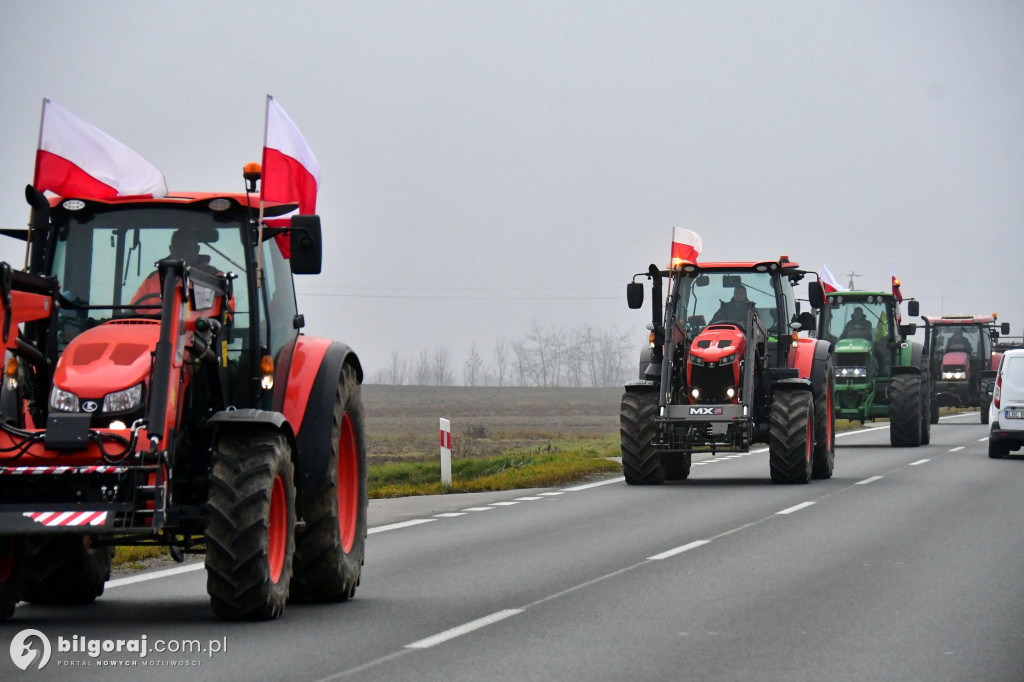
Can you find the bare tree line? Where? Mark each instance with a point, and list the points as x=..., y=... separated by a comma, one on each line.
x=546, y=356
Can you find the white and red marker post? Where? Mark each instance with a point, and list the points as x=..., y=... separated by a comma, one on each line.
x=446, y=453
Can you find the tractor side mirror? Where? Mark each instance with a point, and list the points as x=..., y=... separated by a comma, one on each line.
x=816, y=295
x=907, y=330
x=635, y=295
x=806, y=321
x=307, y=245
x=1004, y=328
x=913, y=309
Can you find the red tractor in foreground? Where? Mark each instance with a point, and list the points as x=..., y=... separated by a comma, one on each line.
x=726, y=368
x=962, y=361
x=157, y=391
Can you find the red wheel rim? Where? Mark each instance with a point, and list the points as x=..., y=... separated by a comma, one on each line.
x=7, y=561
x=829, y=420
x=277, y=530
x=810, y=441
x=348, y=484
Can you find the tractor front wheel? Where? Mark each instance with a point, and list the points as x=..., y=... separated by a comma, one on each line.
x=905, y=404
x=329, y=553
x=64, y=570
x=11, y=568
x=791, y=436
x=825, y=424
x=250, y=539
x=641, y=463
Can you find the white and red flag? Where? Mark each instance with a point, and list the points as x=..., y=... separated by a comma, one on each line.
x=686, y=246
x=78, y=159
x=291, y=173
x=828, y=280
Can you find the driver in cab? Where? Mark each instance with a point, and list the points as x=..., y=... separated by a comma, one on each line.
x=735, y=309
x=184, y=246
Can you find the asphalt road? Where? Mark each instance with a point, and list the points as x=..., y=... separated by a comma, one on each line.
x=906, y=565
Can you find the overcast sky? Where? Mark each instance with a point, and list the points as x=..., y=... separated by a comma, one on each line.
x=485, y=165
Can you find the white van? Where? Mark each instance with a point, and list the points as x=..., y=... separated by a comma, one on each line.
x=1006, y=413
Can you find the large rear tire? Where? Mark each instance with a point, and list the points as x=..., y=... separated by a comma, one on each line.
x=926, y=409
x=64, y=570
x=905, y=404
x=329, y=553
x=791, y=436
x=825, y=424
x=12, y=566
x=676, y=466
x=641, y=463
x=250, y=539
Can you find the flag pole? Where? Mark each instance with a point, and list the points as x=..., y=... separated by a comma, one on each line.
x=263, y=164
x=35, y=179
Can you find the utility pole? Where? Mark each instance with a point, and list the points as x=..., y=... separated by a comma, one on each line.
x=852, y=274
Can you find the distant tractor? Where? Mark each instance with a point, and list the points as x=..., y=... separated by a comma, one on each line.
x=962, y=360
x=879, y=373
x=169, y=399
x=725, y=368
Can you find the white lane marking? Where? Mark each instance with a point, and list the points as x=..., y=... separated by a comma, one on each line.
x=869, y=480
x=920, y=461
x=844, y=434
x=802, y=505
x=552, y=494
x=507, y=503
x=395, y=526
x=958, y=449
x=448, y=515
x=166, y=573
x=463, y=629
x=588, y=486
x=678, y=550
x=529, y=499
x=478, y=509
x=698, y=464
x=982, y=440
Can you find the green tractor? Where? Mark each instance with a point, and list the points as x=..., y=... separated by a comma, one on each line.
x=879, y=373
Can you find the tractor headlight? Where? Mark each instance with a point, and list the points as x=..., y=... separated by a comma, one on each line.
x=848, y=372
x=694, y=360
x=63, y=401
x=121, y=401
x=728, y=359
x=954, y=374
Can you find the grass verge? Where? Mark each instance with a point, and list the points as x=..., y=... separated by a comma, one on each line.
x=551, y=464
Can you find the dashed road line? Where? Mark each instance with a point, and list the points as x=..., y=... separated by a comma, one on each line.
x=957, y=449
x=463, y=629
x=795, y=508
x=678, y=550
x=920, y=461
x=869, y=480
x=400, y=524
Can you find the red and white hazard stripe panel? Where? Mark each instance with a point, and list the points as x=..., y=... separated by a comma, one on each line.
x=15, y=471
x=52, y=519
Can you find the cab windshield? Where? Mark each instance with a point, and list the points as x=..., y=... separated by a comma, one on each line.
x=859, y=319
x=711, y=297
x=951, y=338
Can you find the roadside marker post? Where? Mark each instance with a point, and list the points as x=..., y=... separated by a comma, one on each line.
x=446, y=453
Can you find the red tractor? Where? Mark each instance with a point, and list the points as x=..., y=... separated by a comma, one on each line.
x=962, y=361
x=726, y=368
x=157, y=390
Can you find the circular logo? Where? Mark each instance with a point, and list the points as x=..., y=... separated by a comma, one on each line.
x=24, y=654
x=89, y=406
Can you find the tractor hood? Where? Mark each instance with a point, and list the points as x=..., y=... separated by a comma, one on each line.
x=852, y=346
x=957, y=358
x=111, y=357
x=719, y=341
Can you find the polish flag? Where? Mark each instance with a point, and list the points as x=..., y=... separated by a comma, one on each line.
x=828, y=280
x=291, y=172
x=77, y=159
x=686, y=246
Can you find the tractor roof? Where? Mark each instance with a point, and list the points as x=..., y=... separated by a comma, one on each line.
x=251, y=200
x=858, y=294
x=783, y=262
x=961, y=319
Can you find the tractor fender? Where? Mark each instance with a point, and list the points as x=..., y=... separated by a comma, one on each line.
x=791, y=385
x=912, y=355
x=819, y=363
x=250, y=416
x=309, y=404
x=639, y=386
x=802, y=357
